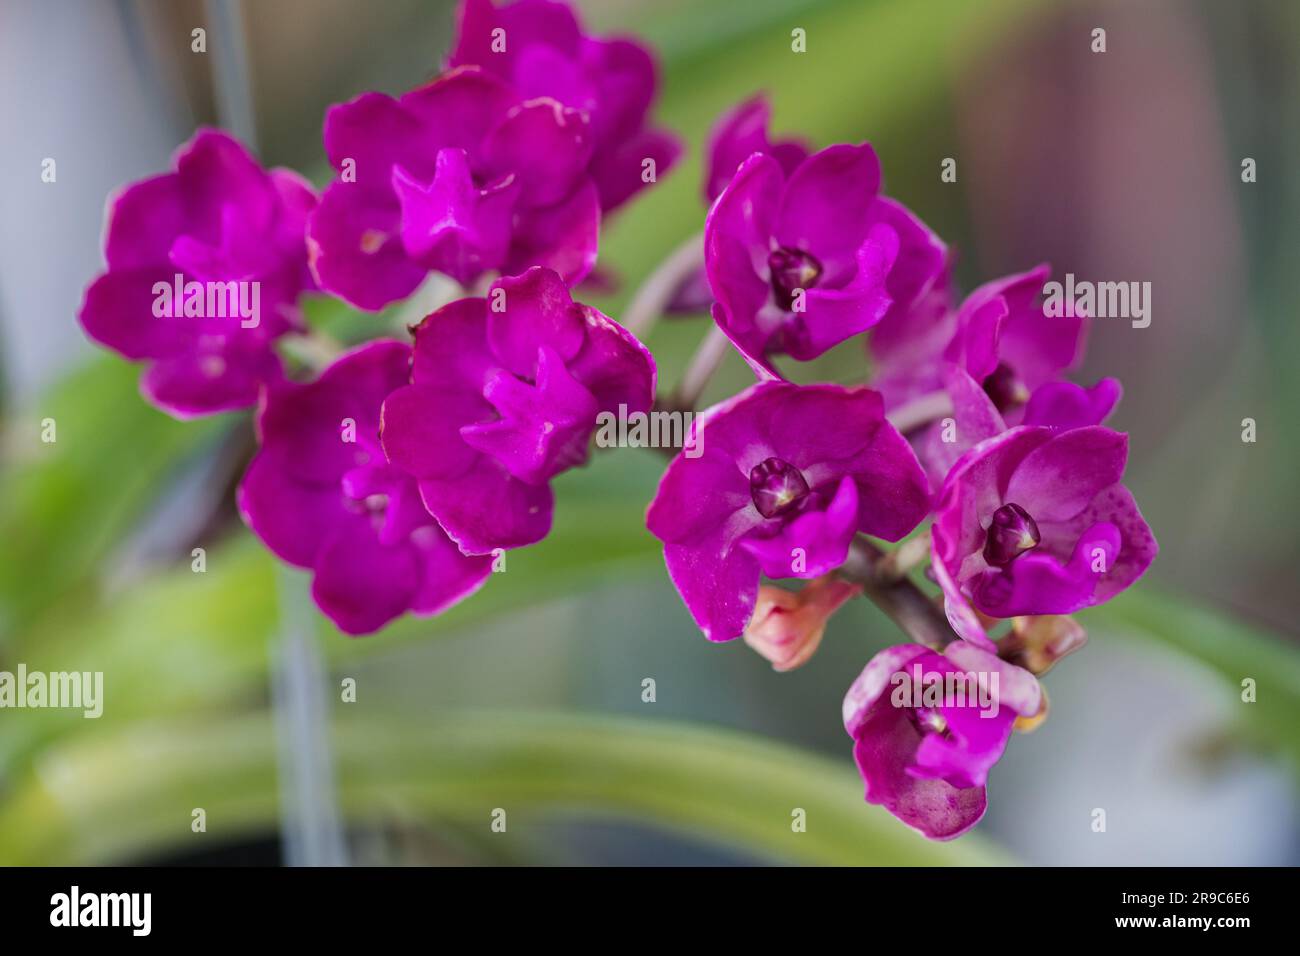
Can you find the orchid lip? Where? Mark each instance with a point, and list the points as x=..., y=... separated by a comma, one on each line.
x=1005, y=389
x=1010, y=534
x=792, y=270
x=931, y=721
x=777, y=487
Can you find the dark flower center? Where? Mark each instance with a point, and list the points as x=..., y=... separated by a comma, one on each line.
x=777, y=487
x=1011, y=533
x=792, y=269
x=1004, y=388
x=928, y=720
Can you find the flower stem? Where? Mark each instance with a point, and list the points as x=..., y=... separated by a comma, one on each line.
x=314, y=349
x=907, y=605
x=920, y=411
x=657, y=291
x=894, y=565
x=707, y=358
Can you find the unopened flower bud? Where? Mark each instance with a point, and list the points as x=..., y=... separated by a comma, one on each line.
x=1038, y=642
x=1027, y=725
x=787, y=626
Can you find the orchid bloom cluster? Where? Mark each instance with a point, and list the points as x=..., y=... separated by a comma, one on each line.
x=398, y=471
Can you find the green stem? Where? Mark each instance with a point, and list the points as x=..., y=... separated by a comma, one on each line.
x=657, y=291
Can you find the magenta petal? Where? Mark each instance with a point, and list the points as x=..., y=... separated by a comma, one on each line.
x=699, y=494
x=546, y=145
x=544, y=428
x=1058, y=480
x=1036, y=345
x=701, y=510
x=118, y=313
x=427, y=443
x=458, y=110
x=1004, y=321
x=1112, y=507
x=624, y=85
x=921, y=258
x=320, y=494
x=956, y=607
x=451, y=347
x=215, y=171
x=544, y=71
x=374, y=132
x=974, y=419
x=827, y=203
x=321, y=431
x=563, y=237
x=143, y=219
x=451, y=225
x=1018, y=689
x=292, y=517
x=974, y=489
x=883, y=752
x=964, y=756
x=927, y=764
x=736, y=245
x=447, y=575
x=526, y=24
x=619, y=168
x=356, y=249
x=614, y=366
x=874, y=682
x=486, y=508
x=829, y=436
x=737, y=135
x=718, y=583
x=1066, y=405
x=361, y=584
x=208, y=380
x=528, y=312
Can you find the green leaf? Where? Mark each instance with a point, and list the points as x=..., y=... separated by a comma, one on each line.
x=1227, y=645
x=85, y=806
x=182, y=643
x=65, y=505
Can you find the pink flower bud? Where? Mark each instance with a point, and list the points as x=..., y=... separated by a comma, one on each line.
x=787, y=626
x=1039, y=641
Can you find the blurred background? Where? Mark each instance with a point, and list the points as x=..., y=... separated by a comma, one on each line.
x=223, y=693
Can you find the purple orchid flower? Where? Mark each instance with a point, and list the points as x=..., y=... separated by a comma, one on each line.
x=738, y=134
x=539, y=48
x=801, y=263
x=504, y=395
x=927, y=727
x=321, y=496
x=205, y=266
x=463, y=177
x=1001, y=336
x=976, y=418
x=788, y=475
x=1036, y=521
